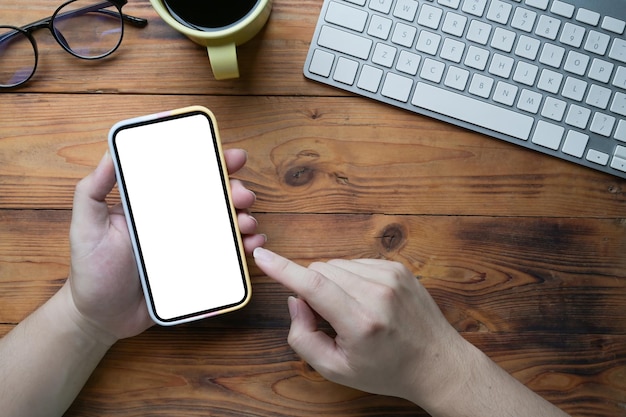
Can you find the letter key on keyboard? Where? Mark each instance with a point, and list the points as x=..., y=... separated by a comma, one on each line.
x=548, y=75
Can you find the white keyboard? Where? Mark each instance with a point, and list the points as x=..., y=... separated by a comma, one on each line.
x=548, y=75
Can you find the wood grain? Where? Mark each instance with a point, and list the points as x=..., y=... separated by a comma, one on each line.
x=309, y=155
x=524, y=254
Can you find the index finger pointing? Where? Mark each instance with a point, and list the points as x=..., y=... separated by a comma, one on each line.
x=327, y=298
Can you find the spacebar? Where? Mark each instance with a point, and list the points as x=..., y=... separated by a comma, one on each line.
x=473, y=111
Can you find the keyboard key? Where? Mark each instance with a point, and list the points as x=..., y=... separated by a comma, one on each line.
x=481, y=86
x=613, y=25
x=620, y=132
x=383, y=6
x=588, y=16
x=598, y=97
x=597, y=42
x=602, y=124
x=478, y=32
x=499, y=11
x=505, y=93
x=344, y=42
x=550, y=81
x=597, y=157
x=346, y=16
x=620, y=151
x=574, y=89
x=430, y=17
x=428, y=42
x=369, y=79
x=539, y=4
x=548, y=27
x=454, y=4
x=554, y=109
x=432, y=70
x=477, y=58
x=384, y=55
x=397, y=87
x=408, y=62
x=476, y=112
x=474, y=7
x=529, y=101
x=578, y=116
x=501, y=66
x=620, y=78
x=562, y=9
x=575, y=144
x=452, y=50
x=527, y=47
x=548, y=135
x=618, y=163
x=503, y=40
x=405, y=9
x=572, y=35
x=576, y=63
x=345, y=71
x=619, y=104
x=321, y=63
x=601, y=70
x=524, y=19
x=404, y=35
x=379, y=27
x=618, y=50
x=457, y=78
x=454, y=24
x=552, y=55
x=525, y=73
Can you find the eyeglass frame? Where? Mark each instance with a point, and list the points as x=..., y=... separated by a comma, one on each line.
x=27, y=30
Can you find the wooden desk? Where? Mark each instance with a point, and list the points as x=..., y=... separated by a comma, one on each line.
x=526, y=255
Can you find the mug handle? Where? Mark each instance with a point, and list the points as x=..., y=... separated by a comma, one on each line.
x=224, y=61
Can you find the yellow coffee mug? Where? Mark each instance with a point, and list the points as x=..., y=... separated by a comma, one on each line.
x=221, y=43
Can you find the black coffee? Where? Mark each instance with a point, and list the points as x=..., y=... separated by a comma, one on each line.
x=209, y=14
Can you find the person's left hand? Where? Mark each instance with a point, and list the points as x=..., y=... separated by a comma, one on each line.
x=104, y=284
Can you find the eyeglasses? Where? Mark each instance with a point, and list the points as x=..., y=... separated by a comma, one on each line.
x=87, y=29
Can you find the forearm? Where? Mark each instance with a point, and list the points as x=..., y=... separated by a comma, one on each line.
x=46, y=360
x=484, y=389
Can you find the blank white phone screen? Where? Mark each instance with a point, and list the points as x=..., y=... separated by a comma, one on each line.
x=179, y=208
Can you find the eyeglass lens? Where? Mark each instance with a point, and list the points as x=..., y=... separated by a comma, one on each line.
x=17, y=57
x=88, y=29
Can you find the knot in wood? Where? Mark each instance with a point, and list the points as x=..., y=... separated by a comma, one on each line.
x=393, y=237
x=299, y=176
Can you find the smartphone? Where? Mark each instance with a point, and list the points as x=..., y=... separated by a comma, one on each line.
x=176, y=196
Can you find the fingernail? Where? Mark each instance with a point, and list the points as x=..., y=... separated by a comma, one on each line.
x=292, y=303
x=253, y=219
x=263, y=255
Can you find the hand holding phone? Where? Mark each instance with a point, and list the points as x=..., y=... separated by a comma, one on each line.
x=177, y=200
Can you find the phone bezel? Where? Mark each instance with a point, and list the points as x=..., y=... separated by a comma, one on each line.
x=127, y=205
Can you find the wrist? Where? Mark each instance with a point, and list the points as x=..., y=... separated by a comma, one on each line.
x=68, y=316
x=445, y=375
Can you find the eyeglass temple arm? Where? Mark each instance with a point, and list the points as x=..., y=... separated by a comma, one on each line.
x=135, y=21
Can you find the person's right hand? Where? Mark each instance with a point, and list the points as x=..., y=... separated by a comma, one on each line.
x=391, y=337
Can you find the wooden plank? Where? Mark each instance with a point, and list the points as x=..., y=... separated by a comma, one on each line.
x=487, y=274
x=203, y=374
x=159, y=60
x=322, y=155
